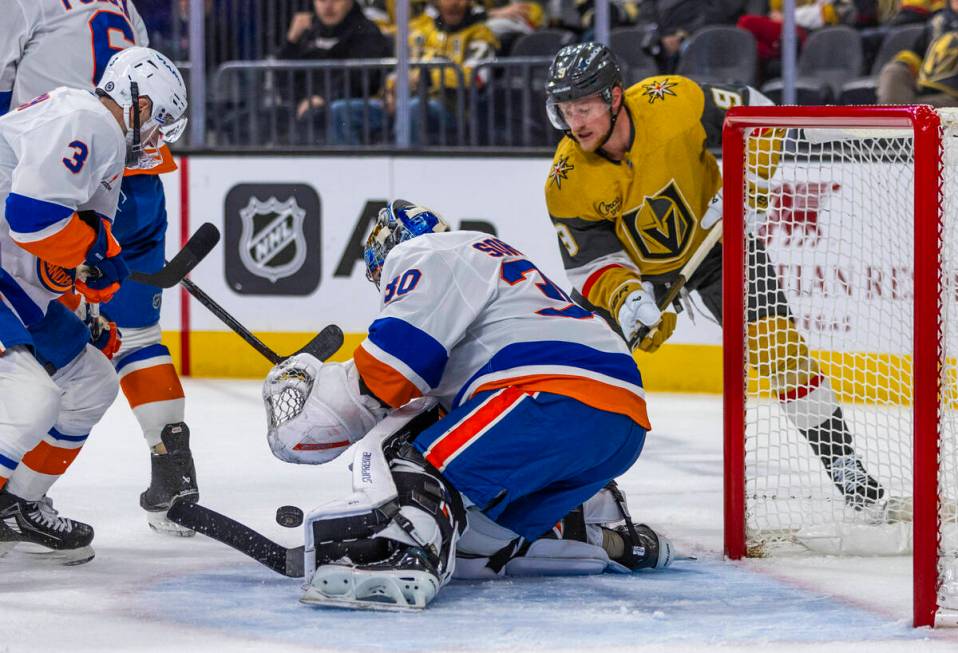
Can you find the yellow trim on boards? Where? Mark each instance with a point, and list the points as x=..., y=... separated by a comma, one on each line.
x=855, y=377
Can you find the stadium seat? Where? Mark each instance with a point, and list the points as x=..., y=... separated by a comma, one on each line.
x=544, y=43
x=720, y=54
x=627, y=43
x=864, y=89
x=830, y=57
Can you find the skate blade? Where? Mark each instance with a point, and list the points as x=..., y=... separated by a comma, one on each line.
x=345, y=587
x=318, y=599
x=65, y=557
x=159, y=522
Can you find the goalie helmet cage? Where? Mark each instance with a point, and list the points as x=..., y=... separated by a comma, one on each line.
x=856, y=210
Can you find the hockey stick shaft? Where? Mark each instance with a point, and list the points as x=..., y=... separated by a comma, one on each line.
x=322, y=346
x=195, y=250
x=219, y=527
x=231, y=321
x=713, y=237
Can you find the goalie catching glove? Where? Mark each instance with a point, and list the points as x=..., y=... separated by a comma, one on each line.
x=315, y=410
x=640, y=310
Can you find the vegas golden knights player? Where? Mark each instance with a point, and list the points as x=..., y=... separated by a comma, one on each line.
x=632, y=192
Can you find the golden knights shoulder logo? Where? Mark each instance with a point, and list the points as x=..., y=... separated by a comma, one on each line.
x=560, y=171
x=659, y=89
x=662, y=226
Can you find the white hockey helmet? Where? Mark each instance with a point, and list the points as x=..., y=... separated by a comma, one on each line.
x=142, y=72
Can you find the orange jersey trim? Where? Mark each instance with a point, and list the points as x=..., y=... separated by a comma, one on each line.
x=166, y=165
x=151, y=384
x=67, y=247
x=601, y=396
x=385, y=382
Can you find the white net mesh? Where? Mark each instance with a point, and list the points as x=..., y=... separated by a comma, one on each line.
x=830, y=307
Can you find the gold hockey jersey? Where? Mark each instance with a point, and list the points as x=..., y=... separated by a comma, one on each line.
x=617, y=221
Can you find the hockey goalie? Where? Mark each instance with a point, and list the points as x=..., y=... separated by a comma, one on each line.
x=490, y=415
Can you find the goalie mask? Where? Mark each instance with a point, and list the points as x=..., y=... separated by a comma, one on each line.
x=139, y=72
x=398, y=222
x=314, y=410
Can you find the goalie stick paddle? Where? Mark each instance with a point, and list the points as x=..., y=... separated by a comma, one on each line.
x=323, y=345
x=219, y=527
x=196, y=248
x=715, y=233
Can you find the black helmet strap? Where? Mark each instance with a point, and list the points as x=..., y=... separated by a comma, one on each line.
x=133, y=155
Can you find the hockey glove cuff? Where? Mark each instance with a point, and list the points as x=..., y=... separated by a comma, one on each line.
x=104, y=267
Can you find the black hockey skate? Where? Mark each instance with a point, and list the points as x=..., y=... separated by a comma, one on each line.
x=172, y=479
x=856, y=485
x=38, y=525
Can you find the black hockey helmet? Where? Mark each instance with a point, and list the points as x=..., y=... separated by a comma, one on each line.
x=581, y=70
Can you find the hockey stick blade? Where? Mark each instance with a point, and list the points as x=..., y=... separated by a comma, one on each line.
x=219, y=527
x=324, y=344
x=196, y=248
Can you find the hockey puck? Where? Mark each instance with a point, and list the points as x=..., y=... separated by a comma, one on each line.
x=289, y=516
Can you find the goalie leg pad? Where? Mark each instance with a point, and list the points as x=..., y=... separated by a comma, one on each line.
x=392, y=554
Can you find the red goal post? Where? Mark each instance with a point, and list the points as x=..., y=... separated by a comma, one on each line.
x=746, y=488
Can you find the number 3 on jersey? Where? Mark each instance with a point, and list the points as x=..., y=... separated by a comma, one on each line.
x=102, y=26
x=517, y=270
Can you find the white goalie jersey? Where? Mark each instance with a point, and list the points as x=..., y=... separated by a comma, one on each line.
x=35, y=34
x=463, y=313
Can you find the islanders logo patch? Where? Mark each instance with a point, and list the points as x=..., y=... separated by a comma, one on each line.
x=659, y=89
x=55, y=278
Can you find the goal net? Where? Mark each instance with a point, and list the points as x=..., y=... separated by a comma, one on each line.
x=840, y=338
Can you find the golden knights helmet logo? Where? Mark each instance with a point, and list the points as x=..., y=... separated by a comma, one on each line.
x=272, y=244
x=663, y=226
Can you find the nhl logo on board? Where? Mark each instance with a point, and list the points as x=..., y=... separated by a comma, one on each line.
x=272, y=244
x=272, y=239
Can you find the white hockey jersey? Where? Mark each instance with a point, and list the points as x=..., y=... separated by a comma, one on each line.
x=36, y=37
x=463, y=312
x=62, y=153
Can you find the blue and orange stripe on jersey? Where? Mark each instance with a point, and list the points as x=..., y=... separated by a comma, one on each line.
x=399, y=362
x=50, y=231
x=607, y=381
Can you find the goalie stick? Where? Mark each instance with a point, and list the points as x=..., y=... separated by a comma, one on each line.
x=323, y=345
x=219, y=527
x=715, y=233
x=196, y=248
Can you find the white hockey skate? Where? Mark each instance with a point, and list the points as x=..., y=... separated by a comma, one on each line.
x=403, y=582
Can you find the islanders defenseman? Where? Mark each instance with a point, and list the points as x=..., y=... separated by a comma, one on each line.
x=542, y=407
x=49, y=43
x=61, y=159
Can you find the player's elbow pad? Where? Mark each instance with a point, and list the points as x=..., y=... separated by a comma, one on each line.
x=315, y=410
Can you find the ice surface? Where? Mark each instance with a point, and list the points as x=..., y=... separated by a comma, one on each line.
x=145, y=592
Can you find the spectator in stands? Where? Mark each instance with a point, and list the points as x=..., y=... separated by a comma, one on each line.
x=510, y=19
x=906, y=12
x=908, y=78
x=455, y=31
x=676, y=20
x=336, y=30
x=809, y=15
